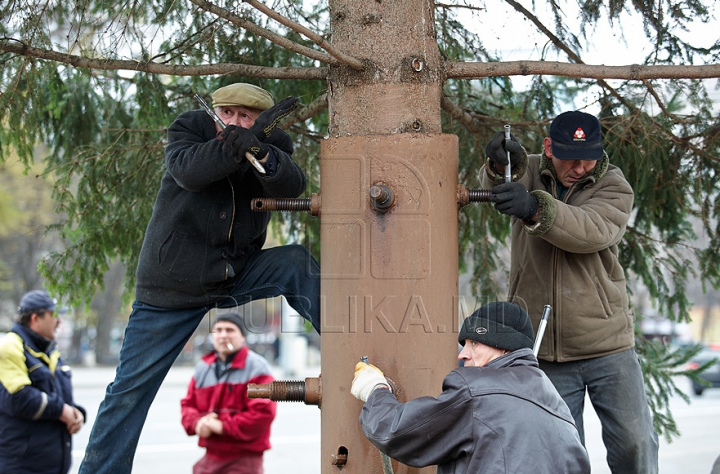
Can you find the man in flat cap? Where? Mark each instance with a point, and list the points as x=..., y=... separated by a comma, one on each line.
x=570, y=208
x=234, y=429
x=498, y=414
x=37, y=413
x=203, y=249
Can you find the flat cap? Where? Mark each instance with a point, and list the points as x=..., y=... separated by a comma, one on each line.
x=241, y=93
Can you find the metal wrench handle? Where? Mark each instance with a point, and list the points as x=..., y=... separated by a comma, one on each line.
x=258, y=166
x=541, y=329
x=508, y=171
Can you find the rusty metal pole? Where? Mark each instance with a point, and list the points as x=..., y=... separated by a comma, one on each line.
x=389, y=279
x=389, y=222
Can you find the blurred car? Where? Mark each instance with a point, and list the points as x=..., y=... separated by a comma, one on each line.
x=711, y=374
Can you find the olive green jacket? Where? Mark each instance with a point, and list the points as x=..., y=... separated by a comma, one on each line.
x=569, y=259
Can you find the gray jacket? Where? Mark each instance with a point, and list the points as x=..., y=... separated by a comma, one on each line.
x=504, y=418
x=569, y=260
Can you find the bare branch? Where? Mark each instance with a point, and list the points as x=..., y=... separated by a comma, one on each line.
x=456, y=112
x=155, y=68
x=474, y=70
x=314, y=37
x=269, y=35
x=448, y=6
x=658, y=100
x=304, y=113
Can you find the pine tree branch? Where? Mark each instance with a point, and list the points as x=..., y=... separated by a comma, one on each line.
x=304, y=113
x=315, y=38
x=573, y=56
x=267, y=34
x=19, y=48
x=476, y=70
x=456, y=112
x=634, y=72
x=658, y=100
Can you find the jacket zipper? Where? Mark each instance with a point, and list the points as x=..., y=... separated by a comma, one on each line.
x=232, y=221
x=556, y=259
x=554, y=287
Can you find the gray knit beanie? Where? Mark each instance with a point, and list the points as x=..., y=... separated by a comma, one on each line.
x=234, y=318
x=500, y=324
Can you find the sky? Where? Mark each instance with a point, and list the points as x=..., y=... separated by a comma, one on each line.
x=621, y=44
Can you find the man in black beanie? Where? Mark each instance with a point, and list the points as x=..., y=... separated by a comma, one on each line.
x=498, y=414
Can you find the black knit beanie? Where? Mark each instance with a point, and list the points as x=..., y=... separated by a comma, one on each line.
x=500, y=324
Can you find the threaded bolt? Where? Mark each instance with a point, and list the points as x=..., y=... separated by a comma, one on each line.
x=480, y=195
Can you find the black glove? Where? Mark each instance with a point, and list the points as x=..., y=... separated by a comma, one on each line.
x=497, y=148
x=514, y=199
x=238, y=140
x=268, y=119
x=280, y=139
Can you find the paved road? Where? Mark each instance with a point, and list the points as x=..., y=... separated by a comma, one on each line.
x=164, y=447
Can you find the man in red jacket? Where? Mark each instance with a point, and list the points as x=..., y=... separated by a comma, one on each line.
x=235, y=430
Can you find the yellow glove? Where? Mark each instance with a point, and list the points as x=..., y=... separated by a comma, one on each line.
x=367, y=379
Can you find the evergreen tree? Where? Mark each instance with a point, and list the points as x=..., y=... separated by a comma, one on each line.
x=98, y=82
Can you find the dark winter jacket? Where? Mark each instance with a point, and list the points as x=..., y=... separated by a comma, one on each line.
x=202, y=229
x=503, y=418
x=246, y=422
x=569, y=260
x=34, y=386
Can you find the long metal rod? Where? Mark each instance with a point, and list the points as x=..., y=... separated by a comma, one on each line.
x=258, y=166
x=508, y=170
x=541, y=329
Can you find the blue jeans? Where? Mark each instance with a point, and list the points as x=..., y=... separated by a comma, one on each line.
x=615, y=386
x=155, y=336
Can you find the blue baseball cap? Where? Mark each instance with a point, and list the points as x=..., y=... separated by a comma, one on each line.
x=576, y=136
x=36, y=300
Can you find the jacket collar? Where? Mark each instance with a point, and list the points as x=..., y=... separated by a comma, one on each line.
x=33, y=340
x=238, y=361
x=547, y=168
x=514, y=358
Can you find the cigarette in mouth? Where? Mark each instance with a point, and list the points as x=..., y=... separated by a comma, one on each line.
x=230, y=346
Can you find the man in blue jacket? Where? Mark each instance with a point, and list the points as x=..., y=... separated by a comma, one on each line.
x=37, y=412
x=203, y=250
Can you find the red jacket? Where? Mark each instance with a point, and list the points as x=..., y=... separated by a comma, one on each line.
x=246, y=422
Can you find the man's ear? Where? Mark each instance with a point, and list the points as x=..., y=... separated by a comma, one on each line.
x=547, y=146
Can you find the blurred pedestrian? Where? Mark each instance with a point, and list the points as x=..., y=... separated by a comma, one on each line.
x=37, y=413
x=234, y=429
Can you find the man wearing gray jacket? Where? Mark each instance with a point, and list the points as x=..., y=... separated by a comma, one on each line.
x=570, y=209
x=498, y=414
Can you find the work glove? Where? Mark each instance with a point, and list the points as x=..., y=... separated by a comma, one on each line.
x=514, y=199
x=268, y=119
x=280, y=139
x=497, y=148
x=367, y=379
x=238, y=140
